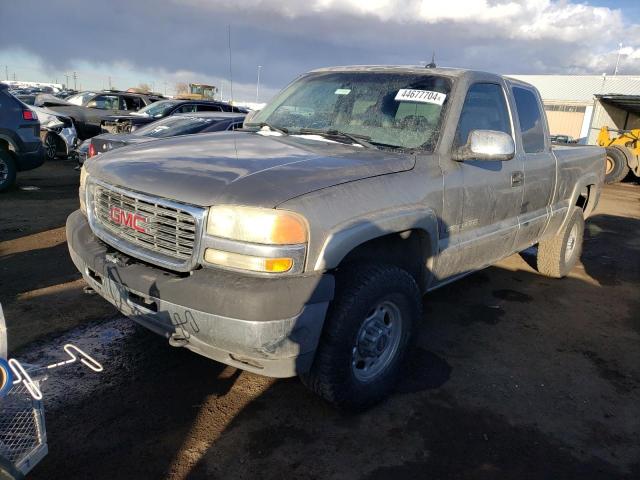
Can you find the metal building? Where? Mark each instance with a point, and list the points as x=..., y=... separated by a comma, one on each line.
x=579, y=105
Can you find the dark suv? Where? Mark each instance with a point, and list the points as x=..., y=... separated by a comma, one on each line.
x=20, y=145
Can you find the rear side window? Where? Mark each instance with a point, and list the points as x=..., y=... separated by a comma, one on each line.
x=530, y=117
x=484, y=108
x=131, y=103
x=209, y=108
x=188, y=108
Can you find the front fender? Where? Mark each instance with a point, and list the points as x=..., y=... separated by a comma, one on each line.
x=345, y=237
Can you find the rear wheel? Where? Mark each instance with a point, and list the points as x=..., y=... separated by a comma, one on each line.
x=616, y=165
x=559, y=254
x=365, y=337
x=7, y=170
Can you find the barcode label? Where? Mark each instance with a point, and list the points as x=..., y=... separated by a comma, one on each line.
x=420, y=96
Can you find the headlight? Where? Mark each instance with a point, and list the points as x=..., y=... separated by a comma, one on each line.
x=257, y=225
x=256, y=239
x=82, y=191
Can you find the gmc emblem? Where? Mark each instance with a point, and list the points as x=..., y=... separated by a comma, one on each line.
x=128, y=219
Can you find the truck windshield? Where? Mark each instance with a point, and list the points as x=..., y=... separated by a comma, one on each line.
x=399, y=110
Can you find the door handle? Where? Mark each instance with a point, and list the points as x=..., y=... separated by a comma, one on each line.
x=517, y=179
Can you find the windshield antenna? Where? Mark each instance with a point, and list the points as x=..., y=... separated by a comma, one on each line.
x=433, y=61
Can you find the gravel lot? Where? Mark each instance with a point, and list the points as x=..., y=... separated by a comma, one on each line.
x=516, y=376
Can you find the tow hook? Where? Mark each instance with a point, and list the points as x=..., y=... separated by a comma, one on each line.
x=178, y=338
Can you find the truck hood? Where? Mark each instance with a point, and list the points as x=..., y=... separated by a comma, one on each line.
x=240, y=168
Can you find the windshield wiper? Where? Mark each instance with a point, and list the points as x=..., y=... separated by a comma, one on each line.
x=362, y=140
x=282, y=130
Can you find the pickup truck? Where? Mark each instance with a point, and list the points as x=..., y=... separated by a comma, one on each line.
x=303, y=243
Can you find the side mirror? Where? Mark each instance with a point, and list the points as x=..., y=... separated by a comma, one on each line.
x=486, y=145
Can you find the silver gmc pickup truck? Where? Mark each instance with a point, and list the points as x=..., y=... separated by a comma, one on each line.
x=302, y=244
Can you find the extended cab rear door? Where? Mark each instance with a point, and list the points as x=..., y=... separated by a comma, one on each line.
x=539, y=164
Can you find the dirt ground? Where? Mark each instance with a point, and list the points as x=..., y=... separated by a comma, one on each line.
x=516, y=376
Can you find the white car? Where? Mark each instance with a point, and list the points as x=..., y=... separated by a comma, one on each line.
x=58, y=132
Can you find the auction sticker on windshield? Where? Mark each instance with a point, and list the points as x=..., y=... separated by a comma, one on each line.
x=420, y=96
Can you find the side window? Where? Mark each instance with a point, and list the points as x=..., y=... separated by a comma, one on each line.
x=131, y=103
x=530, y=117
x=188, y=108
x=484, y=108
x=208, y=108
x=104, y=102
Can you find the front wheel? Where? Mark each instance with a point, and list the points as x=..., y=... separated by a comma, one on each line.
x=558, y=255
x=366, y=335
x=50, y=145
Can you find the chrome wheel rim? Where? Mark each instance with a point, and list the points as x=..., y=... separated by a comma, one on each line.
x=4, y=171
x=50, y=146
x=377, y=341
x=572, y=242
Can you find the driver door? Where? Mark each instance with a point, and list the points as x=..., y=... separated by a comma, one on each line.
x=482, y=199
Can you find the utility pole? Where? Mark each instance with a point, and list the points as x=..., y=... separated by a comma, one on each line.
x=615, y=71
x=110, y=88
x=258, y=83
x=230, y=70
x=14, y=76
x=66, y=81
x=75, y=81
x=6, y=71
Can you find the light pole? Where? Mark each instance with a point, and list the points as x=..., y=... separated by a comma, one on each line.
x=615, y=71
x=258, y=83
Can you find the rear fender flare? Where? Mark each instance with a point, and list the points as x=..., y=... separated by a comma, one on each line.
x=584, y=182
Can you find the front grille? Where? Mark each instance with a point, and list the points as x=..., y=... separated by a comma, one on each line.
x=145, y=223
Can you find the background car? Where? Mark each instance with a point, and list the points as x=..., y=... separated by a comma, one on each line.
x=88, y=109
x=58, y=133
x=20, y=145
x=180, y=124
x=161, y=109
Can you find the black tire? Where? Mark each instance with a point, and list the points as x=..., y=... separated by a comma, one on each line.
x=617, y=166
x=359, y=290
x=50, y=144
x=553, y=258
x=7, y=170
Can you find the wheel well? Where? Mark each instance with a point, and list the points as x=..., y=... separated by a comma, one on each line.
x=407, y=250
x=5, y=145
x=584, y=198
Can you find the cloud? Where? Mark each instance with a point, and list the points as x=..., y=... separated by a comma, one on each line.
x=159, y=39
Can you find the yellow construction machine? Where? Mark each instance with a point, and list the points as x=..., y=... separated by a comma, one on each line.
x=199, y=91
x=623, y=153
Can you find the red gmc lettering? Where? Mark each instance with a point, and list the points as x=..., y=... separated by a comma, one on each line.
x=128, y=219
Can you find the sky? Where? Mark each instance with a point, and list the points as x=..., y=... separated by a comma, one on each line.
x=161, y=43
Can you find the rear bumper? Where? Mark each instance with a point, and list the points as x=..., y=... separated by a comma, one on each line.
x=267, y=326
